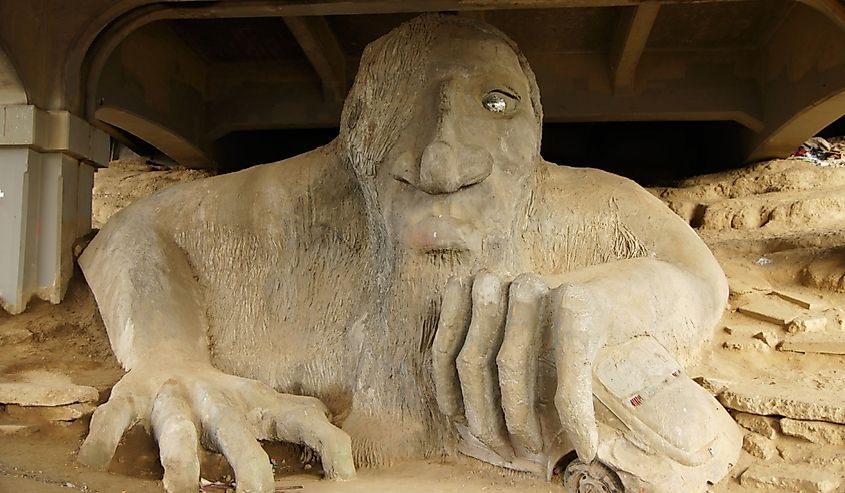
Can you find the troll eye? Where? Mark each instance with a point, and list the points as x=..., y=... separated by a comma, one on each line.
x=499, y=102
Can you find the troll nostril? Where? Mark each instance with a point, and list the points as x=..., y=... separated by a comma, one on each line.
x=403, y=180
x=406, y=169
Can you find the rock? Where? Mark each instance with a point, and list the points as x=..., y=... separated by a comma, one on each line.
x=8, y=430
x=795, y=400
x=14, y=336
x=813, y=322
x=827, y=342
x=801, y=300
x=37, y=394
x=769, y=310
x=759, y=446
x=763, y=425
x=792, y=478
x=746, y=330
x=814, y=431
x=769, y=337
x=744, y=344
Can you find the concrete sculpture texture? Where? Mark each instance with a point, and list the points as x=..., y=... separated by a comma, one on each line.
x=397, y=292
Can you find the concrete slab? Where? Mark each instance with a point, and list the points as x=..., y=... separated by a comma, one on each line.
x=769, y=310
x=30, y=414
x=744, y=330
x=762, y=425
x=802, y=300
x=35, y=394
x=793, y=400
x=828, y=342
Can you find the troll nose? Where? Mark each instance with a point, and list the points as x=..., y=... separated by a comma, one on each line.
x=443, y=170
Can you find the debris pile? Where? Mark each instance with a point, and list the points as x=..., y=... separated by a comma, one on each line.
x=822, y=152
x=794, y=423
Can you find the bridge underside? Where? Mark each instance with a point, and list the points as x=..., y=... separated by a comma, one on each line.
x=770, y=70
x=231, y=83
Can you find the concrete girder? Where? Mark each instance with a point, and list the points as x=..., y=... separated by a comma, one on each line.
x=322, y=49
x=671, y=86
x=259, y=8
x=99, y=41
x=792, y=133
x=804, y=80
x=167, y=141
x=239, y=100
x=832, y=9
x=472, y=14
x=630, y=42
x=628, y=62
x=11, y=89
x=576, y=87
x=114, y=20
x=167, y=112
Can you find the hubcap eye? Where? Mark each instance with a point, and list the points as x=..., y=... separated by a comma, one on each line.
x=494, y=102
x=498, y=102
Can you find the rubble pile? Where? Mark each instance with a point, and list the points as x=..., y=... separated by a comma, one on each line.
x=778, y=357
x=127, y=180
x=794, y=423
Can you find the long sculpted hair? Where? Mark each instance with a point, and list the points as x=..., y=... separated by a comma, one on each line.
x=394, y=393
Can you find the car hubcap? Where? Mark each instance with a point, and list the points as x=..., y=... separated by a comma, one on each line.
x=591, y=485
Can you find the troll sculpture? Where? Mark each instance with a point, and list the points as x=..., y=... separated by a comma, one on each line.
x=424, y=283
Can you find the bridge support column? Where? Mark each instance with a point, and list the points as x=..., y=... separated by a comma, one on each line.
x=47, y=161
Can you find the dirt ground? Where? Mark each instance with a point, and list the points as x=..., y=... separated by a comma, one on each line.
x=775, y=227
